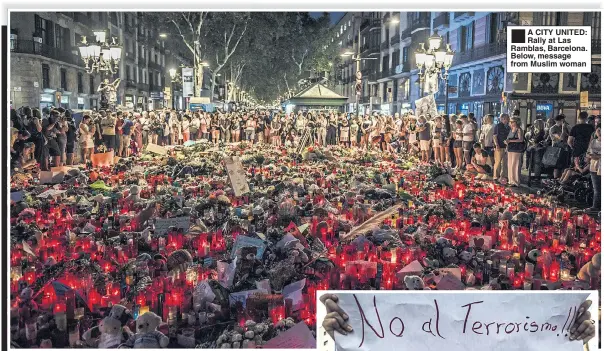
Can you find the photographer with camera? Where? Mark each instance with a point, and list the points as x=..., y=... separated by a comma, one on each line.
x=50, y=126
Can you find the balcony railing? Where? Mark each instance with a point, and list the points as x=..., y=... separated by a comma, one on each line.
x=460, y=16
x=596, y=46
x=142, y=61
x=441, y=21
x=143, y=86
x=421, y=22
x=479, y=53
x=395, y=39
x=368, y=49
x=384, y=45
x=370, y=23
x=155, y=66
x=31, y=47
x=131, y=84
x=372, y=77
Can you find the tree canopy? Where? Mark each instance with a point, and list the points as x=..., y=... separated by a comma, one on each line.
x=265, y=53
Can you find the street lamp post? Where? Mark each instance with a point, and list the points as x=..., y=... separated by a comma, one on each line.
x=434, y=61
x=102, y=57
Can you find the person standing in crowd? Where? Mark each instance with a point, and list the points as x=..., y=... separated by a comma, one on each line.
x=33, y=124
x=144, y=122
x=127, y=127
x=49, y=127
x=423, y=129
x=515, y=149
x=445, y=140
x=70, y=134
x=235, y=128
x=186, y=132
x=332, y=127
x=579, y=137
x=365, y=129
x=437, y=134
x=458, y=144
x=260, y=129
x=354, y=131
x=250, y=129
x=276, y=131
x=345, y=133
x=321, y=129
x=468, y=138
x=108, y=124
x=86, y=133
x=137, y=133
x=535, y=149
x=558, y=134
x=118, y=133
x=61, y=136
x=194, y=127
x=412, y=135
x=204, y=125
x=486, y=139
x=594, y=152
x=225, y=128
x=500, y=134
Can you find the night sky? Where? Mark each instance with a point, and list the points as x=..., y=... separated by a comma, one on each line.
x=335, y=16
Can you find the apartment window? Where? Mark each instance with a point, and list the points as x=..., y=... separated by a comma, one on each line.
x=550, y=18
x=467, y=37
x=64, y=79
x=80, y=83
x=113, y=18
x=128, y=77
x=59, y=43
x=405, y=54
x=594, y=20
x=91, y=83
x=394, y=90
x=494, y=27
x=385, y=61
x=396, y=57
x=45, y=76
x=385, y=92
x=44, y=28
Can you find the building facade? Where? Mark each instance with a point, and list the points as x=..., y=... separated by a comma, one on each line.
x=478, y=80
x=46, y=69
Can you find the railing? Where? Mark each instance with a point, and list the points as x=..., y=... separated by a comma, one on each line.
x=421, y=22
x=142, y=61
x=442, y=20
x=384, y=44
x=31, y=47
x=462, y=15
x=369, y=23
x=155, y=66
x=368, y=49
x=372, y=77
x=479, y=53
x=143, y=86
x=130, y=84
x=596, y=46
x=395, y=39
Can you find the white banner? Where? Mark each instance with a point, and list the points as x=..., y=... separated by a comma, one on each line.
x=460, y=321
x=426, y=106
x=187, y=81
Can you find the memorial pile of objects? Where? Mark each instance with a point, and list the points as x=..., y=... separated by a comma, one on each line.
x=228, y=245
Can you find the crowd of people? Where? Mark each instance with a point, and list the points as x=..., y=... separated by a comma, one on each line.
x=494, y=150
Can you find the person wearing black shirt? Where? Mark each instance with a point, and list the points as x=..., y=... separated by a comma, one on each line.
x=535, y=149
x=71, y=138
x=49, y=129
x=579, y=137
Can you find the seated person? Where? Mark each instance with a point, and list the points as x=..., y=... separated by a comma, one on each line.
x=480, y=163
x=579, y=168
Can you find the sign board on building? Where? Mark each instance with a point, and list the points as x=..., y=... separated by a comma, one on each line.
x=584, y=99
x=64, y=99
x=187, y=81
x=157, y=95
x=46, y=98
x=80, y=101
x=545, y=107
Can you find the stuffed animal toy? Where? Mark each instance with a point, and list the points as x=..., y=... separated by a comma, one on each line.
x=590, y=269
x=108, y=334
x=147, y=336
x=413, y=282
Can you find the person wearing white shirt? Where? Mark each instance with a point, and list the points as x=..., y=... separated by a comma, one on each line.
x=185, y=129
x=468, y=139
x=486, y=136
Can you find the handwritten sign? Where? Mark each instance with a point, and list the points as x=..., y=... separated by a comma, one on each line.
x=245, y=241
x=162, y=225
x=156, y=149
x=51, y=193
x=511, y=321
x=293, y=291
x=298, y=337
x=236, y=175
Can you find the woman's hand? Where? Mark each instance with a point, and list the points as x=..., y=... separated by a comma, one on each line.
x=584, y=328
x=336, y=319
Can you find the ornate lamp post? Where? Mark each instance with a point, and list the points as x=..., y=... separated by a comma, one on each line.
x=434, y=62
x=102, y=56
